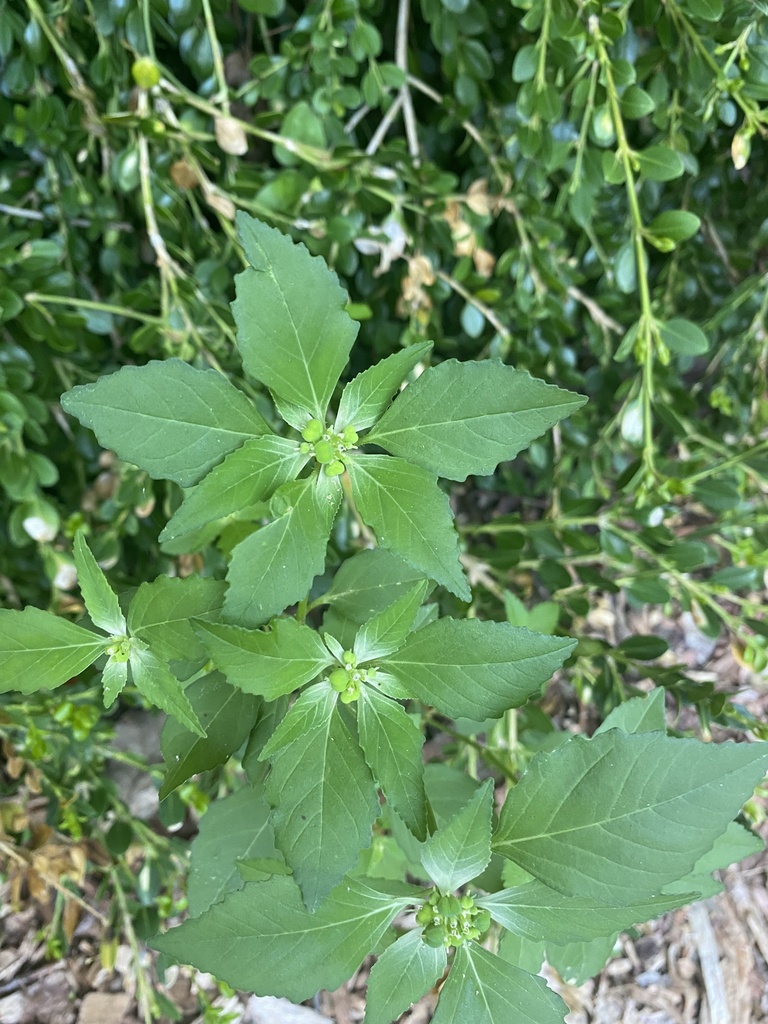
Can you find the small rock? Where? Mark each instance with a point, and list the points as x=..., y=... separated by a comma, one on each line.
x=271, y=1010
x=103, y=1008
x=12, y=1009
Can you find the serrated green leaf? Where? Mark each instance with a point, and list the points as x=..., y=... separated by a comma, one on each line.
x=459, y=851
x=591, y=819
x=245, y=478
x=100, y=599
x=660, y=163
x=401, y=975
x=293, y=332
x=153, y=679
x=113, y=680
x=39, y=651
x=226, y=714
x=410, y=515
x=270, y=716
x=534, y=910
x=484, y=989
x=234, y=828
x=387, y=630
x=468, y=668
x=267, y=662
x=170, y=419
x=322, y=791
x=522, y=953
x=369, y=582
x=639, y=714
x=161, y=614
x=262, y=939
x=275, y=567
x=462, y=418
x=392, y=743
x=364, y=585
x=366, y=397
x=577, y=962
x=733, y=845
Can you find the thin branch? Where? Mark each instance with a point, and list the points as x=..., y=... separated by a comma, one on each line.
x=598, y=314
x=480, y=306
x=401, y=59
x=356, y=118
x=384, y=126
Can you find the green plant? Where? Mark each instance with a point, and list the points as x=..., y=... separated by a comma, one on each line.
x=562, y=863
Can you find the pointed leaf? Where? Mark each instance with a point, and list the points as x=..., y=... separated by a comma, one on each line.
x=275, y=567
x=364, y=585
x=152, y=679
x=366, y=397
x=402, y=974
x=579, y=961
x=468, y=668
x=392, y=743
x=639, y=714
x=262, y=939
x=113, y=680
x=386, y=631
x=534, y=911
x=267, y=662
x=100, y=599
x=170, y=419
x=462, y=418
x=293, y=332
x=246, y=477
x=620, y=816
x=460, y=850
x=39, y=651
x=410, y=515
x=161, y=614
x=369, y=582
x=484, y=989
x=234, y=828
x=733, y=845
x=323, y=794
x=227, y=716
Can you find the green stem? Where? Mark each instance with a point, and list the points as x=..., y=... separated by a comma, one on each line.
x=103, y=307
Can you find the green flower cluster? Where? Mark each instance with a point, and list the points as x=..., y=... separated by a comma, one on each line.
x=327, y=447
x=452, y=920
x=346, y=681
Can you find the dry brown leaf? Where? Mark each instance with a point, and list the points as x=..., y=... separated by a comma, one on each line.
x=183, y=175
x=221, y=204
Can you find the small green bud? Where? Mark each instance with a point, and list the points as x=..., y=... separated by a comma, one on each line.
x=325, y=452
x=146, y=73
x=483, y=921
x=349, y=436
x=350, y=694
x=313, y=431
x=335, y=468
x=305, y=448
x=467, y=903
x=433, y=936
x=424, y=916
x=349, y=658
x=449, y=906
x=434, y=898
x=339, y=679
